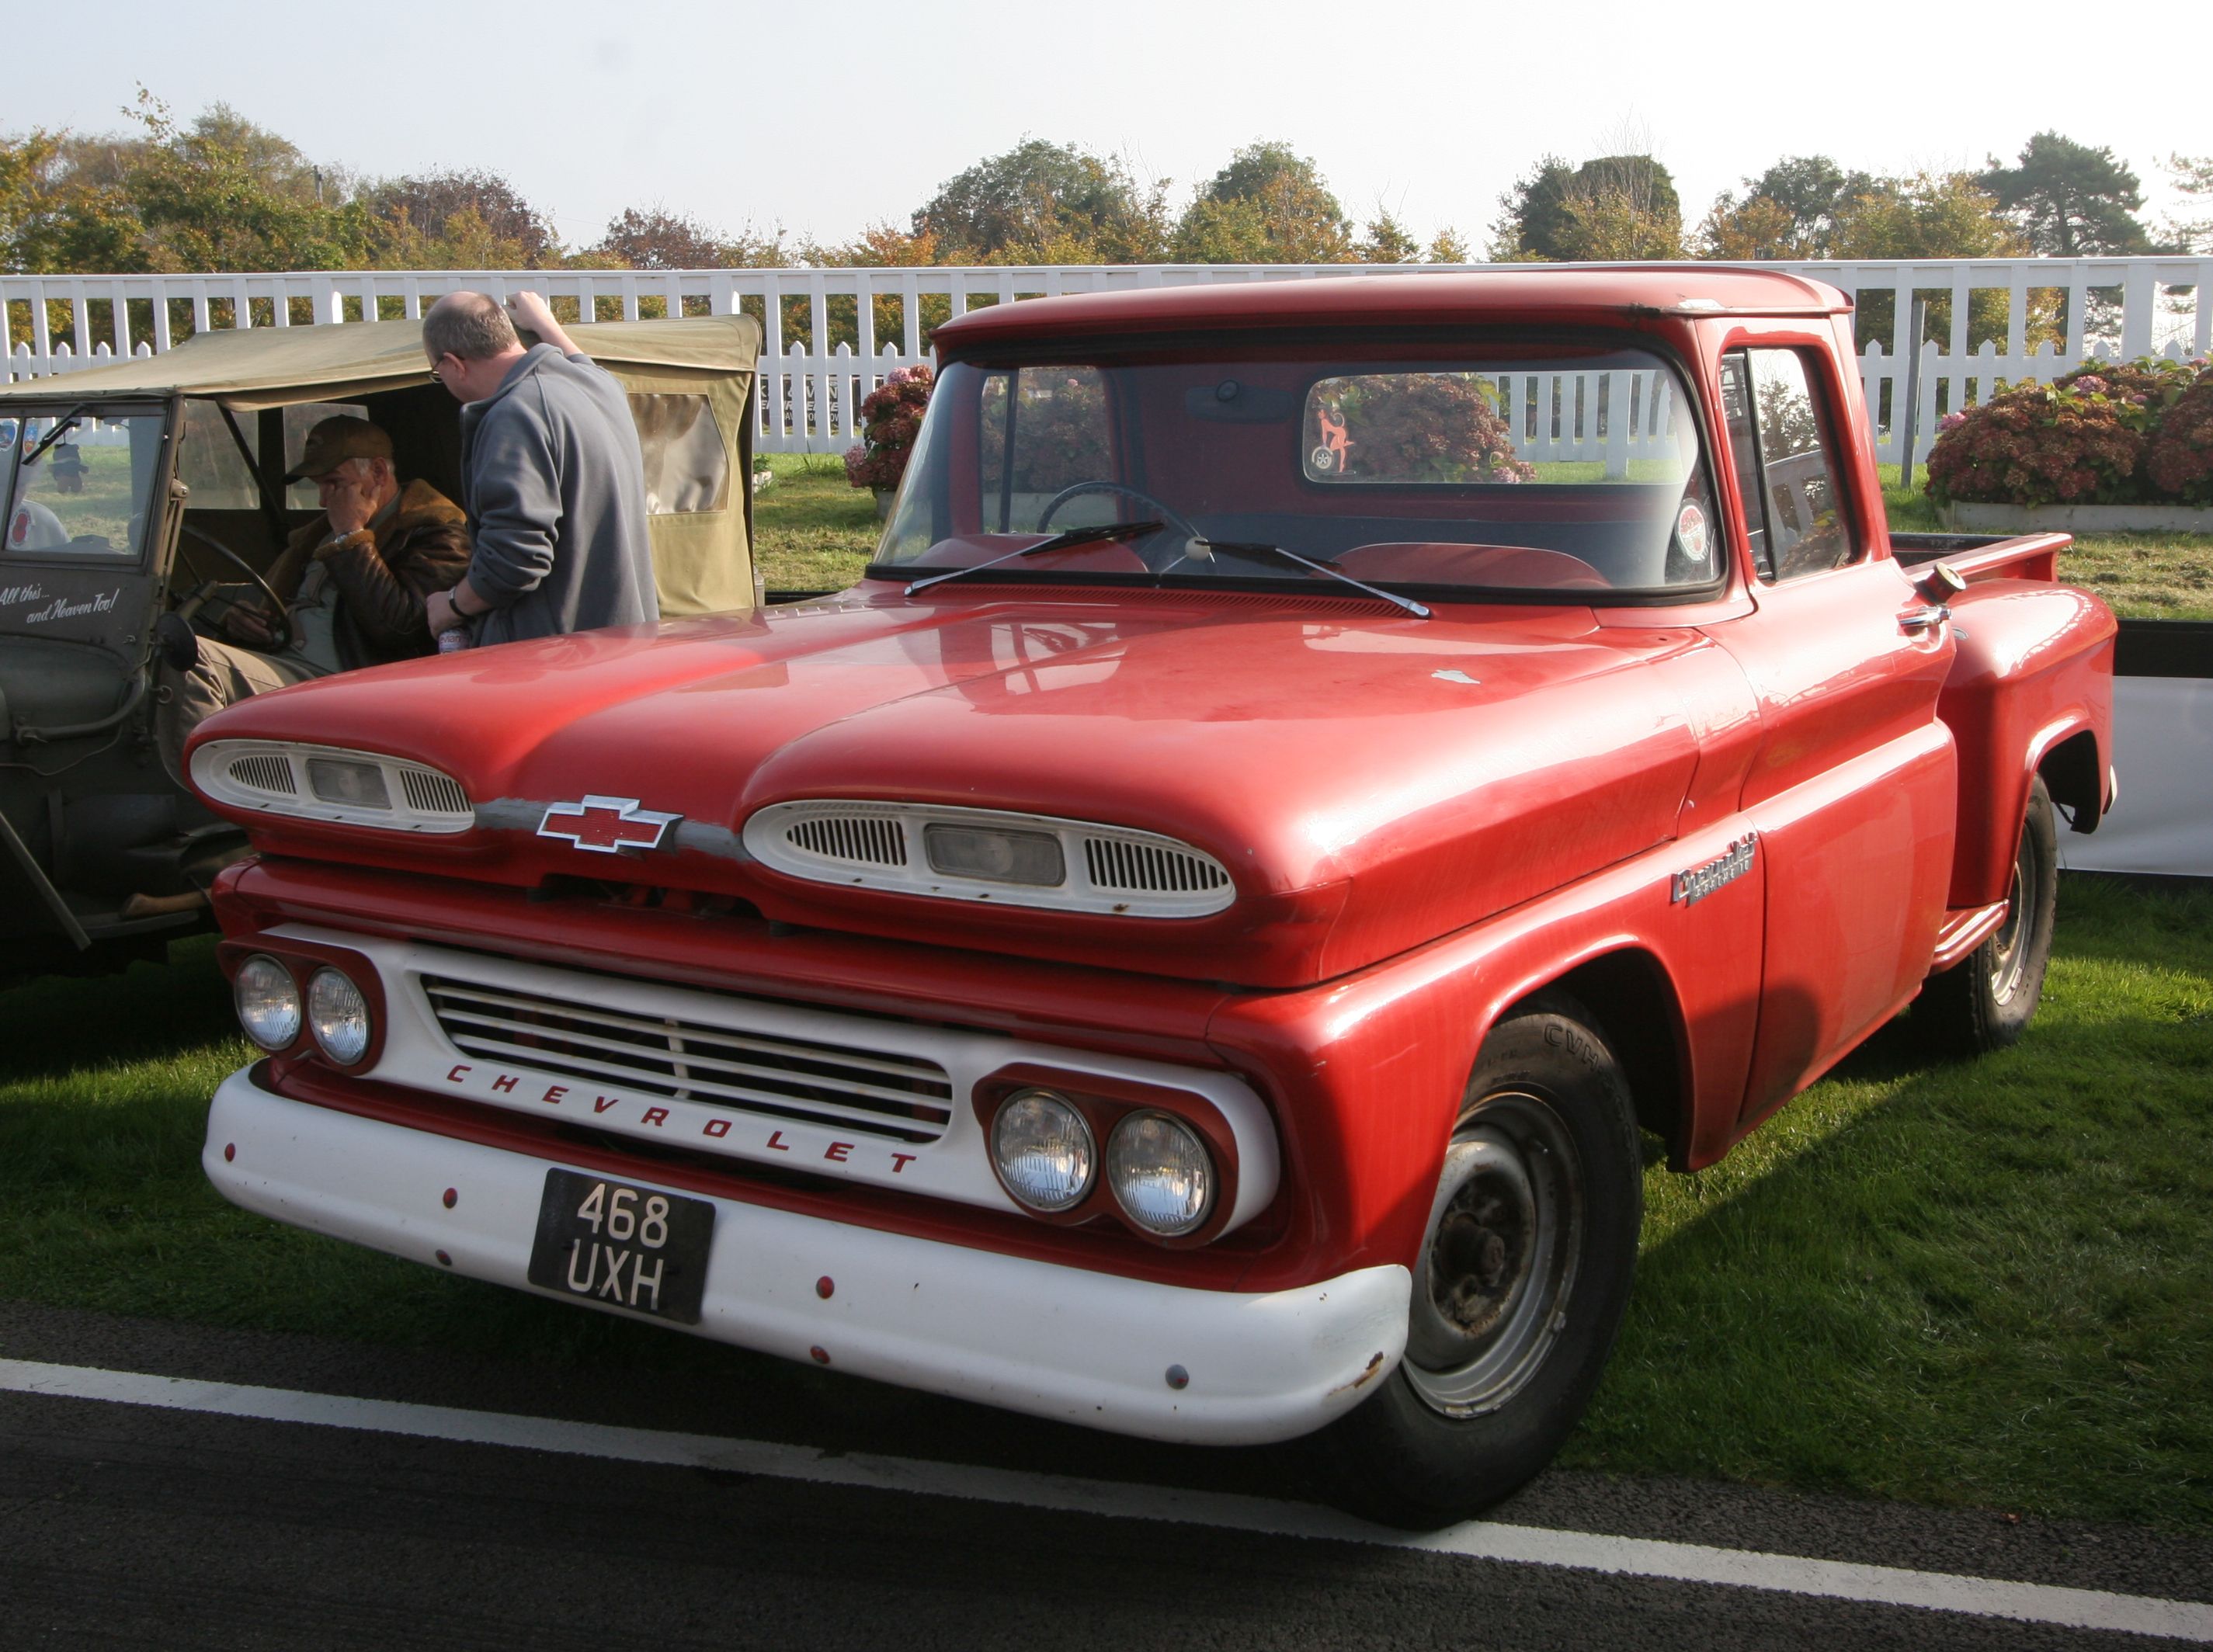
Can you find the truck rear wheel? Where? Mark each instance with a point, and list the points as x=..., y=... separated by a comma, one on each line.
x=1520, y=1286
x=1986, y=1002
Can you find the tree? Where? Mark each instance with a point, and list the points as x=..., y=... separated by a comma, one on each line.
x=2192, y=176
x=1931, y=216
x=1789, y=212
x=1532, y=217
x=52, y=218
x=467, y=219
x=224, y=194
x=1448, y=245
x=657, y=239
x=1384, y=240
x=1043, y=203
x=2069, y=200
x=1615, y=207
x=1269, y=206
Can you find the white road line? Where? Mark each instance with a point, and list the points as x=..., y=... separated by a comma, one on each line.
x=2036, y=1603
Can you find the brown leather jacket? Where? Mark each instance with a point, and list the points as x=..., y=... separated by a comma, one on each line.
x=383, y=573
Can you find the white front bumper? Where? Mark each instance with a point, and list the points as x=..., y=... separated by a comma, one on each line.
x=1057, y=1342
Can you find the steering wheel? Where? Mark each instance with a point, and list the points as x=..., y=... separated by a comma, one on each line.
x=280, y=624
x=1175, y=519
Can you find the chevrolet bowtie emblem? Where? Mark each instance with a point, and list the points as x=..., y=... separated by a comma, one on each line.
x=606, y=826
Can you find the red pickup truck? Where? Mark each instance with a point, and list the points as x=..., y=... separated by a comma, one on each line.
x=1197, y=941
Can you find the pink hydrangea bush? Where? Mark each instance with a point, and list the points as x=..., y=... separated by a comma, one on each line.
x=2089, y=437
x=891, y=414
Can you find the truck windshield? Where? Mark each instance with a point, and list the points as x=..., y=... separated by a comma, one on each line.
x=1514, y=469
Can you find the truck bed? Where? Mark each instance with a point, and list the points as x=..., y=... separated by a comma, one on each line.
x=1985, y=556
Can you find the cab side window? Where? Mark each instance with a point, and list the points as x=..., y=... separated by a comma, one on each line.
x=1785, y=461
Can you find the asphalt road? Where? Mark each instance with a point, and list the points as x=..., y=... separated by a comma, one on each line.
x=125, y=1525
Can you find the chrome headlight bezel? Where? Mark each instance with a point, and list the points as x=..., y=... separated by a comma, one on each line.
x=281, y=777
x=284, y=989
x=868, y=844
x=1121, y=1150
x=339, y=1017
x=1083, y=1144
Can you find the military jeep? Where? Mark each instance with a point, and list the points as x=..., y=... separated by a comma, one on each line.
x=154, y=487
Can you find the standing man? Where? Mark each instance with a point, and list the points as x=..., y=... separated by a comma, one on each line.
x=552, y=476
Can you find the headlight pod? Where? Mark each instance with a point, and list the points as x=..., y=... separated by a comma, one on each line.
x=268, y=1001
x=338, y=1014
x=1043, y=1151
x=1161, y=1173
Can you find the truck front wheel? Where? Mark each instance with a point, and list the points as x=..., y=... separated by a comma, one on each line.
x=1519, y=1290
x=1986, y=1003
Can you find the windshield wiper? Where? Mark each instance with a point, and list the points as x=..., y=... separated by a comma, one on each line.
x=1202, y=550
x=1101, y=534
x=62, y=428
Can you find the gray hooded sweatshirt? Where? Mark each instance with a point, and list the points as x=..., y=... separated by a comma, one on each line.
x=555, y=489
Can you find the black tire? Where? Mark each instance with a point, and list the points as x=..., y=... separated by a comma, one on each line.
x=1986, y=1002
x=1519, y=1290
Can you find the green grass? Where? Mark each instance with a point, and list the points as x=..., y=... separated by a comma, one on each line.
x=812, y=530
x=1981, y=1284
x=2140, y=576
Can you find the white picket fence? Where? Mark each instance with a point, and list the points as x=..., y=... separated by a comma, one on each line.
x=809, y=401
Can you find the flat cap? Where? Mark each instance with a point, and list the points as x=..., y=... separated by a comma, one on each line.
x=336, y=440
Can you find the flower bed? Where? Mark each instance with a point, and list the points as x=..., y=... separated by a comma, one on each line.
x=2108, y=433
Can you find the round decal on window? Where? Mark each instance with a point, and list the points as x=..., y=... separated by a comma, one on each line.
x=1322, y=459
x=1691, y=532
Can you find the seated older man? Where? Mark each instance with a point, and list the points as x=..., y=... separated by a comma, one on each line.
x=354, y=583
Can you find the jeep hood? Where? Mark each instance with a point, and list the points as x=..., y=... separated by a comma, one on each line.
x=1370, y=781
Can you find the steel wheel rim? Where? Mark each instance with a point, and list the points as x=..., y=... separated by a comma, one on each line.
x=2009, y=948
x=1498, y=1261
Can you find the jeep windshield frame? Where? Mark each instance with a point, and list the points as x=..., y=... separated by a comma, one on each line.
x=1486, y=465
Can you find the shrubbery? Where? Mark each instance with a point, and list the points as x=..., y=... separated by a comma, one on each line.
x=2107, y=433
x=890, y=416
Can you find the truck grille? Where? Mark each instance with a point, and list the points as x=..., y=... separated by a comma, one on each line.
x=1115, y=863
x=862, y=838
x=900, y=1098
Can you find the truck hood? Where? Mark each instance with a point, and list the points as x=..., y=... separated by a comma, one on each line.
x=1371, y=782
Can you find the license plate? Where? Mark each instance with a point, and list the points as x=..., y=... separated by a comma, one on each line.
x=618, y=1245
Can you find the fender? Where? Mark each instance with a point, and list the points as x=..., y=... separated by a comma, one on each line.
x=2032, y=666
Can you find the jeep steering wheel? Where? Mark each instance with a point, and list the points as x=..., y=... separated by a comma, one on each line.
x=280, y=623
x=1175, y=519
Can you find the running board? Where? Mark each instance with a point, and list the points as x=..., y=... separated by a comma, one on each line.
x=1965, y=928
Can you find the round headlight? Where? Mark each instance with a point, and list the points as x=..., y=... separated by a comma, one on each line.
x=1162, y=1174
x=338, y=1015
x=268, y=1001
x=1043, y=1150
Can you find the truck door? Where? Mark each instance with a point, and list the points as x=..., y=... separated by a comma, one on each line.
x=1852, y=790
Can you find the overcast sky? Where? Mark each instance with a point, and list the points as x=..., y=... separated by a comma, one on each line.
x=826, y=118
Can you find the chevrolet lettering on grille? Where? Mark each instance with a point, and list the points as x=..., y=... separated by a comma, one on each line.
x=606, y=826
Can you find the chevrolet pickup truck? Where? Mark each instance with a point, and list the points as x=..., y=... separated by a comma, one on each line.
x=1198, y=942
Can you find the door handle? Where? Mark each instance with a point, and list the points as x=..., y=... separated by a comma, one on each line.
x=1921, y=619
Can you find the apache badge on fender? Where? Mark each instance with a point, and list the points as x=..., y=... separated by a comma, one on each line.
x=1694, y=885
